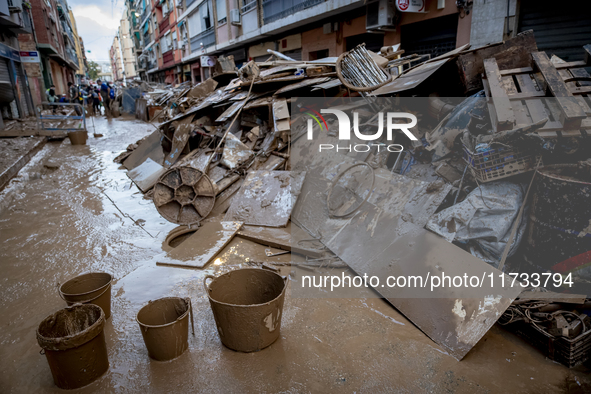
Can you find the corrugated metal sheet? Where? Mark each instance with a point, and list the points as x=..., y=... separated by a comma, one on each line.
x=6, y=91
x=560, y=28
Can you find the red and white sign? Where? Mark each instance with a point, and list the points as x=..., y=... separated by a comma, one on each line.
x=410, y=5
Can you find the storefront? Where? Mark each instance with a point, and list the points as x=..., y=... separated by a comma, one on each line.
x=15, y=99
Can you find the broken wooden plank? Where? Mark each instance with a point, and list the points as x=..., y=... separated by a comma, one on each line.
x=279, y=238
x=202, y=247
x=511, y=54
x=572, y=113
x=502, y=112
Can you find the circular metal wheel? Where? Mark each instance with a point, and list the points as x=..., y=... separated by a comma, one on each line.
x=184, y=195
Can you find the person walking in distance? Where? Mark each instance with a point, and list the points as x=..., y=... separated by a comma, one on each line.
x=52, y=97
x=105, y=91
x=74, y=96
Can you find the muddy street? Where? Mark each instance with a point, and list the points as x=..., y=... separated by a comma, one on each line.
x=71, y=211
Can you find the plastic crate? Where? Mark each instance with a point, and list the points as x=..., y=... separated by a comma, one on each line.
x=568, y=352
x=498, y=161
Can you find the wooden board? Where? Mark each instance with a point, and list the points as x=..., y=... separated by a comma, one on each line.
x=513, y=53
x=572, y=113
x=502, y=113
x=202, y=247
x=279, y=238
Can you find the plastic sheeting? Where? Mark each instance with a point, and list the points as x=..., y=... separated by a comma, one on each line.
x=128, y=97
x=483, y=221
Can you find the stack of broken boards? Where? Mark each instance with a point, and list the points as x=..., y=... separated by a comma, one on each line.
x=547, y=89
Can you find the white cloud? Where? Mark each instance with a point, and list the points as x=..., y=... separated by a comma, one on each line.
x=97, y=15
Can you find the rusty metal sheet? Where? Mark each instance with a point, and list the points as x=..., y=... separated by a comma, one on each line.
x=265, y=198
x=201, y=248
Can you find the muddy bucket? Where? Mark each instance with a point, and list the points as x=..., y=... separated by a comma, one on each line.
x=93, y=288
x=164, y=324
x=74, y=344
x=78, y=137
x=247, y=305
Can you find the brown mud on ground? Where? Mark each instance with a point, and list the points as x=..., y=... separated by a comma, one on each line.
x=57, y=223
x=12, y=149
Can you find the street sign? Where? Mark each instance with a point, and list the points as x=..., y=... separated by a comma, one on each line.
x=29, y=57
x=410, y=5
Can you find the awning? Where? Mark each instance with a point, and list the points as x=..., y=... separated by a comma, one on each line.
x=146, y=27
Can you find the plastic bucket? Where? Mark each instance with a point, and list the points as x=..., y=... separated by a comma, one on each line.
x=78, y=137
x=247, y=305
x=93, y=288
x=164, y=324
x=74, y=345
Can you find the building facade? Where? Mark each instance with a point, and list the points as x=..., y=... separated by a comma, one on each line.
x=15, y=97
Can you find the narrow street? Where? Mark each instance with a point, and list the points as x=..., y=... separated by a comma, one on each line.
x=71, y=210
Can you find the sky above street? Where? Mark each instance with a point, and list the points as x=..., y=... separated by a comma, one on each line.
x=97, y=22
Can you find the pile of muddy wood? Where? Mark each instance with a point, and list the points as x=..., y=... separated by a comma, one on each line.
x=221, y=156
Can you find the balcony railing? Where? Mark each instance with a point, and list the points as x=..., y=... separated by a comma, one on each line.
x=147, y=36
x=67, y=31
x=71, y=55
x=163, y=25
x=274, y=10
x=207, y=38
x=145, y=13
x=249, y=5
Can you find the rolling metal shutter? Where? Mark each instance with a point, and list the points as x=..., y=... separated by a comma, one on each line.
x=6, y=90
x=434, y=36
x=560, y=28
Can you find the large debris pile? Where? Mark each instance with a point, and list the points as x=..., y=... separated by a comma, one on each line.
x=222, y=153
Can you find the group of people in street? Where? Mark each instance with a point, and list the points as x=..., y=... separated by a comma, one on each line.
x=91, y=96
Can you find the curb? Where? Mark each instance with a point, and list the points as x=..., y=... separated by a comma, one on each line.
x=11, y=172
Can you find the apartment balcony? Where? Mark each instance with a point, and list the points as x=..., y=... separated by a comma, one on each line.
x=207, y=38
x=145, y=13
x=274, y=10
x=68, y=32
x=137, y=42
x=19, y=21
x=71, y=56
x=147, y=37
x=164, y=25
x=168, y=58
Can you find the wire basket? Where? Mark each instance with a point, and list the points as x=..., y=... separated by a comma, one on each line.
x=498, y=161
